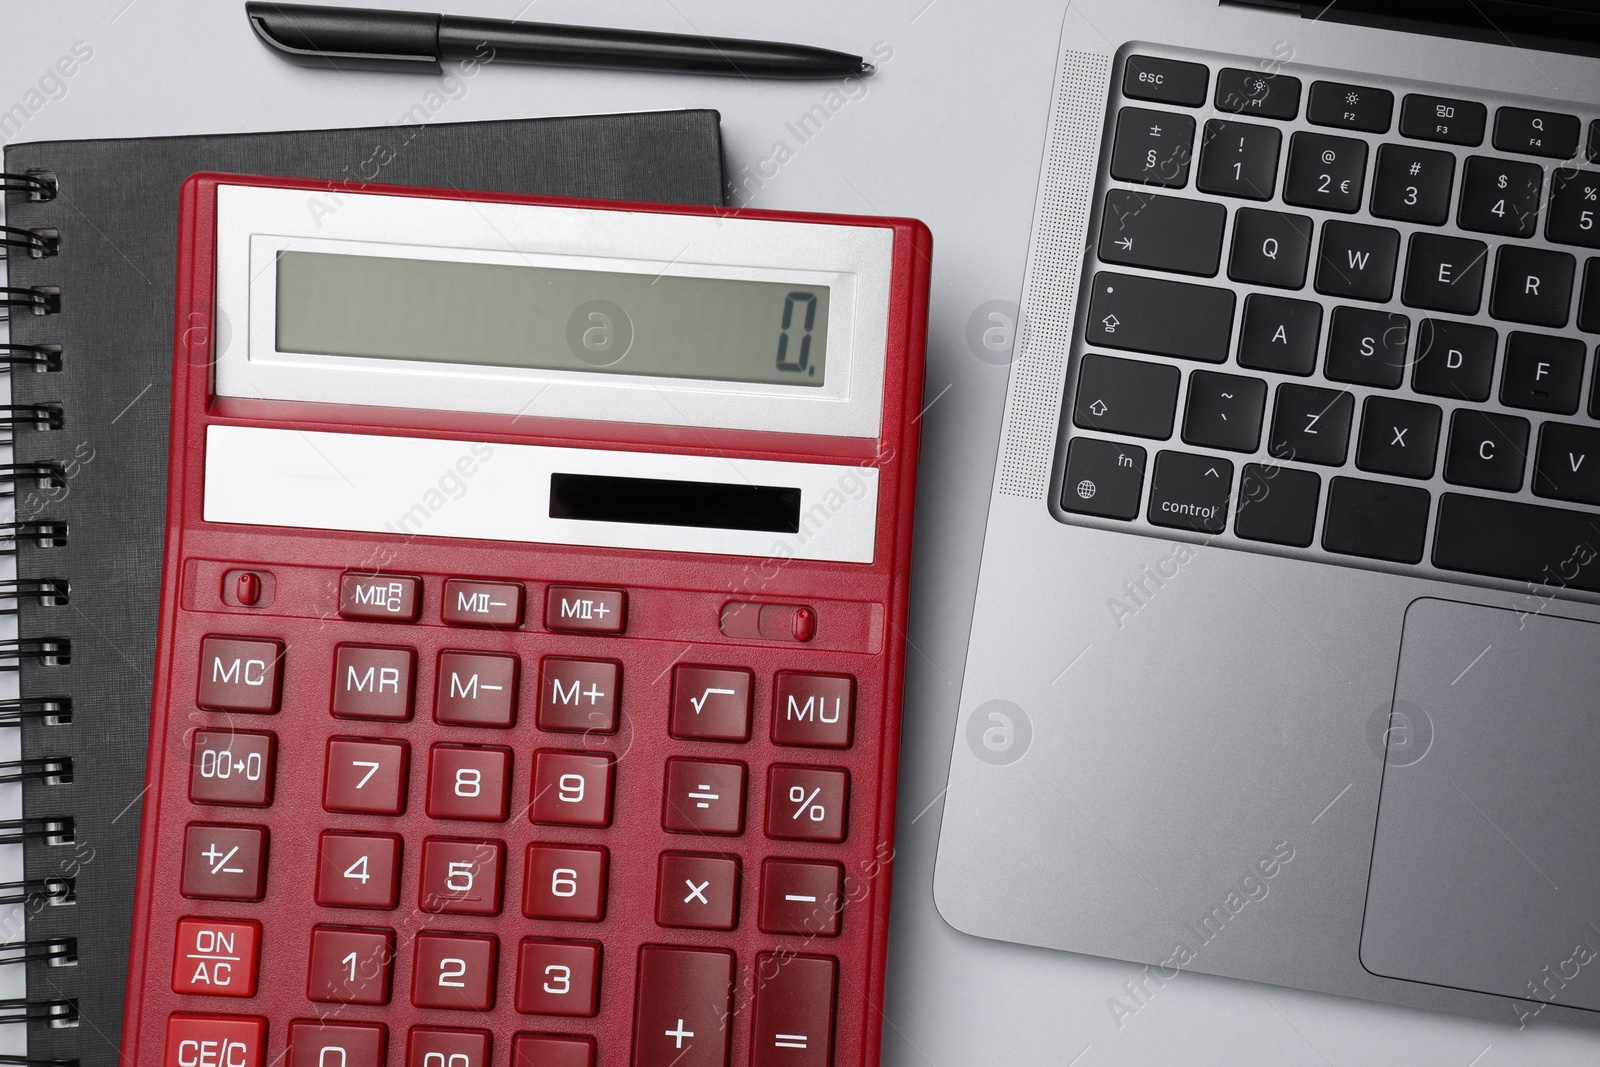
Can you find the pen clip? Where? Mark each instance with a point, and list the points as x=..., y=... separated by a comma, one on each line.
x=348, y=38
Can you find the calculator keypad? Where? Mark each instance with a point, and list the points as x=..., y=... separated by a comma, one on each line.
x=529, y=752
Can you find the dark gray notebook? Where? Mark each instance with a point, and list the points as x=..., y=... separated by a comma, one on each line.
x=105, y=470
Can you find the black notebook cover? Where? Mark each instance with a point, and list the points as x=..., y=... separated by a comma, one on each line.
x=116, y=214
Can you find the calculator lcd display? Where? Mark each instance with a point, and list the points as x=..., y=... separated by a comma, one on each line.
x=543, y=318
x=663, y=502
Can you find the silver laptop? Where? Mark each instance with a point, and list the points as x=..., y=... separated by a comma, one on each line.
x=1285, y=662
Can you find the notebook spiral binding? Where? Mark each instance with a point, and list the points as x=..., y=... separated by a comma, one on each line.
x=34, y=712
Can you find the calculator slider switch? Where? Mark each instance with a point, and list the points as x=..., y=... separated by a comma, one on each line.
x=748, y=620
x=380, y=597
x=247, y=589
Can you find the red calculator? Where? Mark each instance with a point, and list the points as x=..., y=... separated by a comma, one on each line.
x=529, y=678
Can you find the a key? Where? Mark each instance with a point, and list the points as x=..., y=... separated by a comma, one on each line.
x=1224, y=411
x=1162, y=232
x=1152, y=147
x=1439, y=118
x=1589, y=299
x=1126, y=396
x=1567, y=465
x=1278, y=505
x=1537, y=133
x=1270, y=248
x=1189, y=492
x=1376, y=520
x=1520, y=542
x=1486, y=450
x=1412, y=184
x=1255, y=92
x=1543, y=373
x=1532, y=285
x=1155, y=315
x=1311, y=425
x=1166, y=81
x=1398, y=437
x=1500, y=196
x=1104, y=478
x=1350, y=107
x=1367, y=347
x=1357, y=261
x=1280, y=334
x=1574, y=208
x=1454, y=359
x=1239, y=159
x=1325, y=171
x=1444, y=273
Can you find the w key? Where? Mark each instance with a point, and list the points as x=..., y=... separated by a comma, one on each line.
x=1162, y=232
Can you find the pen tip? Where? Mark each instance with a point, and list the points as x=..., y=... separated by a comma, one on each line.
x=868, y=68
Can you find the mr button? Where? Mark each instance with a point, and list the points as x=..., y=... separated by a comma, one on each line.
x=239, y=674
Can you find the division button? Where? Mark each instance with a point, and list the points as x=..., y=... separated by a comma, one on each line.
x=1104, y=478
x=470, y=603
x=1190, y=492
x=240, y=674
x=382, y=597
x=580, y=610
x=683, y=1007
x=216, y=1041
x=703, y=797
x=216, y=957
x=794, y=1011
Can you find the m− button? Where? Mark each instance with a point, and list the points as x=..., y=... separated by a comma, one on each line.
x=580, y=610
x=380, y=597
x=476, y=689
x=469, y=603
x=240, y=674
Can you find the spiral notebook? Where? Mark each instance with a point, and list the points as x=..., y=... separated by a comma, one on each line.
x=92, y=241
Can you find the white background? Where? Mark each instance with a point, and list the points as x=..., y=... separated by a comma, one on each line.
x=950, y=131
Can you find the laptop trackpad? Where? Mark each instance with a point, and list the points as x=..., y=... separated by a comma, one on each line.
x=1486, y=867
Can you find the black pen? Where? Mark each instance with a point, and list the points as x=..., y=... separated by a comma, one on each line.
x=347, y=37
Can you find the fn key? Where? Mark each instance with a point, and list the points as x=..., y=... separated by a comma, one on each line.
x=1104, y=478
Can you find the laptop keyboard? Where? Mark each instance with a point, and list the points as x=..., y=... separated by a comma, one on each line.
x=1344, y=318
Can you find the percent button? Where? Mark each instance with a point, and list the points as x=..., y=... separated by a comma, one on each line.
x=807, y=803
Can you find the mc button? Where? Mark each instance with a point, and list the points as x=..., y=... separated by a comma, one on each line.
x=240, y=674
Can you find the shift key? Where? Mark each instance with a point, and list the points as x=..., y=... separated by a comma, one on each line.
x=1167, y=318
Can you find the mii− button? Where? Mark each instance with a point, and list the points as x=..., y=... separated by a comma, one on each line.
x=468, y=603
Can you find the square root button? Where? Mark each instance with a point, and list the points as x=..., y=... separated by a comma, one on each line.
x=711, y=703
x=581, y=610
